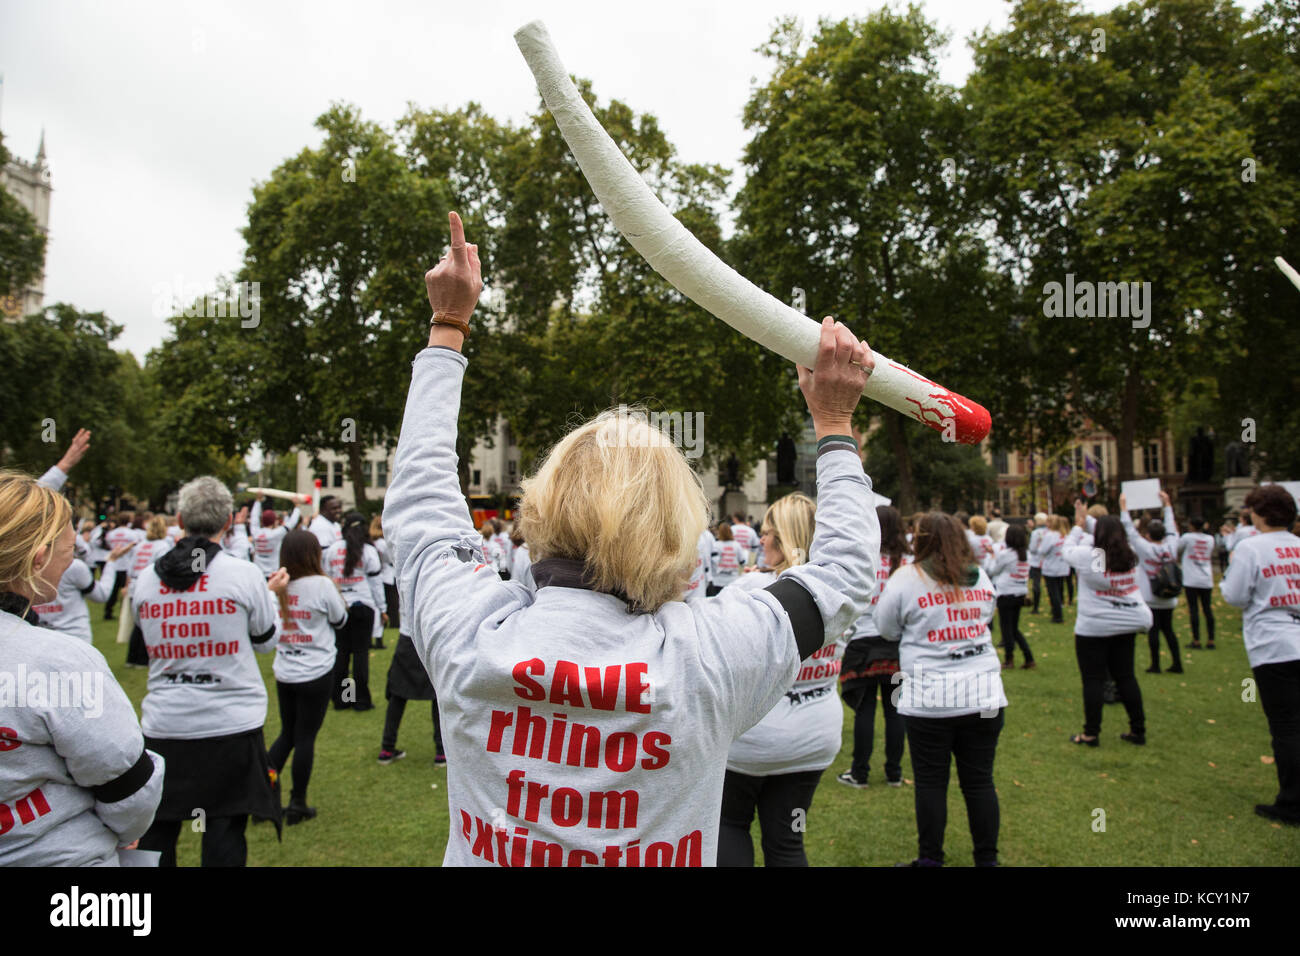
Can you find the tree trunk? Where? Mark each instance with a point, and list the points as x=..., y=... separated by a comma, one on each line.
x=355, y=462
x=903, y=455
x=1127, y=433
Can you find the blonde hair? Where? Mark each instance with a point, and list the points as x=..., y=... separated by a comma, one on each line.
x=616, y=494
x=978, y=525
x=376, y=528
x=157, y=528
x=31, y=517
x=793, y=520
x=1098, y=511
x=1058, y=524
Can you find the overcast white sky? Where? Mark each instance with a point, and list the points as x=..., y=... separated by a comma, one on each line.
x=160, y=116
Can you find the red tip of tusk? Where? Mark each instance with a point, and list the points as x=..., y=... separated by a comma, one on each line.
x=973, y=422
x=308, y=501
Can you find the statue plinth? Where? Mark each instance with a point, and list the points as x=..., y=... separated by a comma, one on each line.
x=1235, y=491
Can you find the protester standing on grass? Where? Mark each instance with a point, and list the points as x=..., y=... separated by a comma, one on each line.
x=1156, y=547
x=870, y=663
x=1111, y=611
x=205, y=615
x=1008, y=569
x=311, y=609
x=1264, y=581
x=1195, y=552
x=1055, y=570
x=938, y=608
x=1035, y=559
x=774, y=767
x=353, y=564
x=589, y=724
x=76, y=781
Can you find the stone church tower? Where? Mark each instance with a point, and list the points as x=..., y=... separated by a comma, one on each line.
x=29, y=183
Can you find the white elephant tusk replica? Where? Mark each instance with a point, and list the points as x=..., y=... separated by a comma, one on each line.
x=701, y=276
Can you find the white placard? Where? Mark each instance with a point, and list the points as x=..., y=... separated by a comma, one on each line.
x=1291, y=486
x=882, y=500
x=1139, y=495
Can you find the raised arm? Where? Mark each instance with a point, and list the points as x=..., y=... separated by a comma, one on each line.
x=437, y=554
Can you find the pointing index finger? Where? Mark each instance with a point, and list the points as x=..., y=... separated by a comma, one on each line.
x=458, y=251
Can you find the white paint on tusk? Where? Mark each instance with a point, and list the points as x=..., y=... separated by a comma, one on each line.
x=697, y=273
x=1288, y=271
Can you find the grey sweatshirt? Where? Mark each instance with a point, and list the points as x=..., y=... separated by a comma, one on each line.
x=578, y=733
x=75, y=780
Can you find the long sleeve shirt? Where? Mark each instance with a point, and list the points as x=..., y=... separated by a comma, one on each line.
x=1264, y=581
x=1151, y=555
x=947, y=661
x=76, y=781
x=1110, y=602
x=575, y=728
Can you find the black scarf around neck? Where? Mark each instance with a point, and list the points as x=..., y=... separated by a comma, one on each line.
x=18, y=606
x=571, y=573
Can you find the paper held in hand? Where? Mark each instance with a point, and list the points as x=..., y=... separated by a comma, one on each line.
x=1140, y=495
x=1291, y=486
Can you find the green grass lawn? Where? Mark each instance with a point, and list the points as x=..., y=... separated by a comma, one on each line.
x=1185, y=799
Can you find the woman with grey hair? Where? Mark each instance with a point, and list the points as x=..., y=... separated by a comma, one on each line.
x=204, y=616
x=589, y=723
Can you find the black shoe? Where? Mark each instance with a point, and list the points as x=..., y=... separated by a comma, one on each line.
x=1153, y=670
x=1278, y=814
x=363, y=706
x=1081, y=739
x=1139, y=739
x=1194, y=645
x=297, y=811
x=342, y=705
x=1175, y=670
x=377, y=646
x=1210, y=646
x=921, y=862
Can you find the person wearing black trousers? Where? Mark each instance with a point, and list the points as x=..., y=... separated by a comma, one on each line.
x=353, y=563
x=311, y=610
x=1038, y=527
x=1259, y=582
x=1155, y=546
x=1111, y=611
x=1008, y=569
x=408, y=680
x=870, y=663
x=1195, y=552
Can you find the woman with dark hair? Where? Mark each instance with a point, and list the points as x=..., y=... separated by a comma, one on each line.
x=1111, y=611
x=939, y=608
x=1055, y=569
x=311, y=610
x=870, y=663
x=1008, y=569
x=1195, y=552
x=1155, y=546
x=1261, y=581
x=353, y=563
x=388, y=577
x=727, y=560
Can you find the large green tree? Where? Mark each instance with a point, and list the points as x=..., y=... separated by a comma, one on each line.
x=855, y=194
x=1110, y=147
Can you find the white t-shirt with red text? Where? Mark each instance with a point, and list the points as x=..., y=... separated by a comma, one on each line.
x=1110, y=602
x=203, y=676
x=946, y=657
x=306, y=648
x=728, y=560
x=1264, y=580
x=68, y=612
x=1195, y=550
x=1010, y=575
x=802, y=732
